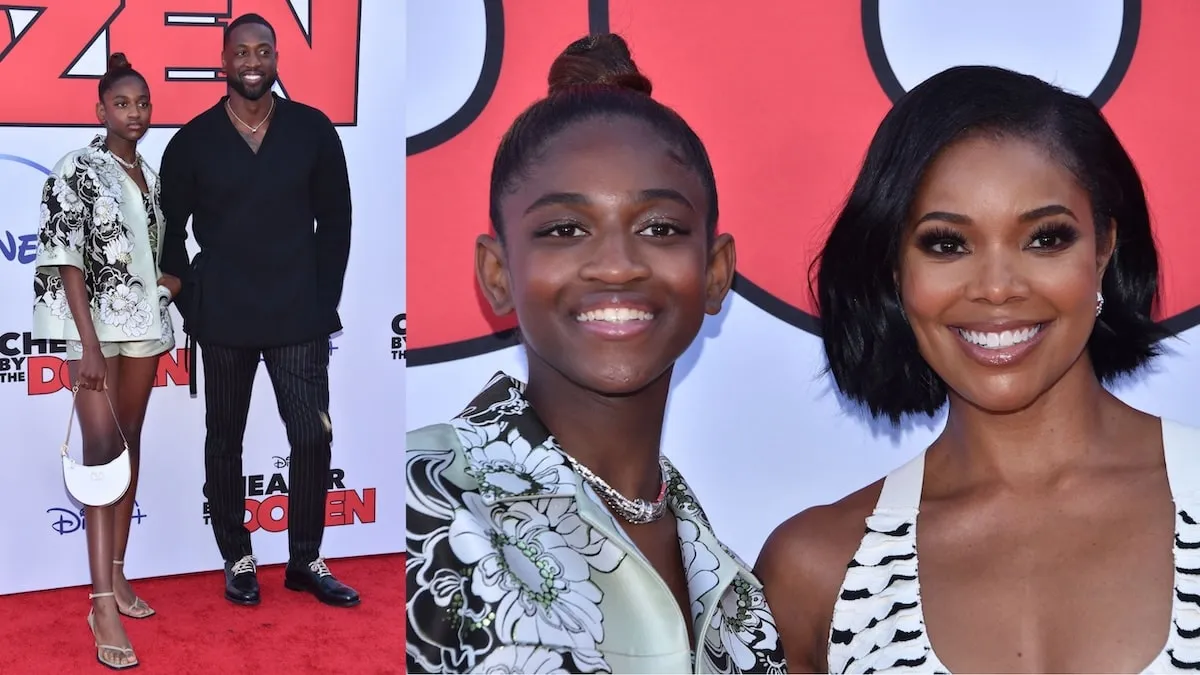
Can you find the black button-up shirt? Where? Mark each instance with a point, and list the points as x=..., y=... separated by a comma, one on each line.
x=273, y=227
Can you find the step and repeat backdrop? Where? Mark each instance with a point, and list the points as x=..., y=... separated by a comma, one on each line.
x=342, y=56
x=786, y=96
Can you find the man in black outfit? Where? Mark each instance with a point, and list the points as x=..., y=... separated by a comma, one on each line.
x=264, y=181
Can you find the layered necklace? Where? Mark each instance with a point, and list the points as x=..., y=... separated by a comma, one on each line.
x=634, y=511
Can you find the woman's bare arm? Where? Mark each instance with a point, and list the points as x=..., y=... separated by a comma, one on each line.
x=802, y=566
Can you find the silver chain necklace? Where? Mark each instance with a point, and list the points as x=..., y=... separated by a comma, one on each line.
x=635, y=511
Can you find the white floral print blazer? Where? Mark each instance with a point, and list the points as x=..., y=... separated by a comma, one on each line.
x=95, y=217
x=514, y=565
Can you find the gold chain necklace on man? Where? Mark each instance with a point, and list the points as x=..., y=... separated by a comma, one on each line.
x=254, y=129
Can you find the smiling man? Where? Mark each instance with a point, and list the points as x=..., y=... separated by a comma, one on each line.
x=264, y=181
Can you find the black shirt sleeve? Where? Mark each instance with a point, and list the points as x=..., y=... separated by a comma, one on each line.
x=177, y=202
x=331, y=206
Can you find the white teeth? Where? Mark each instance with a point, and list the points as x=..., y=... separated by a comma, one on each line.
x=614, y=315
x=1001, y=340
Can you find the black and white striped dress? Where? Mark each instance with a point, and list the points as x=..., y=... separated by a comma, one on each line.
x=878, y=625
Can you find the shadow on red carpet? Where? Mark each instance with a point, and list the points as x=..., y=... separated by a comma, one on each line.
x=197, y=631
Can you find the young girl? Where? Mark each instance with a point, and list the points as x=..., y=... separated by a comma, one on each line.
x=545, y=531
x=97, y=286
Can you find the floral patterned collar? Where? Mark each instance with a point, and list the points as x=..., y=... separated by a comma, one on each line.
x=98, y=146
x=523, y=461
x=99, y=152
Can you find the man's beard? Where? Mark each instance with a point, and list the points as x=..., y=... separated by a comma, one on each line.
x=261, y=89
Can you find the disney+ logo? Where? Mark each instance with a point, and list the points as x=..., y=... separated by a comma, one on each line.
x=71, y=520
x=16, y=247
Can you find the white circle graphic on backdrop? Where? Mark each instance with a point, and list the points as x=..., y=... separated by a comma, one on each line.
x=1069, y=43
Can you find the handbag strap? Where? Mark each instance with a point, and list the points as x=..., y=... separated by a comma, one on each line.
x=71, y=420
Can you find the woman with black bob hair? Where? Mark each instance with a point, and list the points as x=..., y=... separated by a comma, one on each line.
x=546, y=532
x=996, y=253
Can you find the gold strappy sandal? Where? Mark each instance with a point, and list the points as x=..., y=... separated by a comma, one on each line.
x=100, y=649
x=138, y=609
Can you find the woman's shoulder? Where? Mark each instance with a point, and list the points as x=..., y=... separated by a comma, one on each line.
x=802, y=567
x=69, y=165
x=822, y=539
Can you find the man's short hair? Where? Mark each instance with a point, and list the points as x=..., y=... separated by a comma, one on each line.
x=248, y=19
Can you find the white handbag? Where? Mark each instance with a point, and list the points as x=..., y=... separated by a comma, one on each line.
x=102, y=484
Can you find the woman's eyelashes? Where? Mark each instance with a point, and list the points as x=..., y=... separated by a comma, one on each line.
x=1047, y=238
x=942, y=241
x=1054, y=236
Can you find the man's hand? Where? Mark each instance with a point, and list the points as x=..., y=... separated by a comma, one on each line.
x=171, y=283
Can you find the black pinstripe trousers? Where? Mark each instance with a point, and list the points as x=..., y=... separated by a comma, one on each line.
x=300, y=377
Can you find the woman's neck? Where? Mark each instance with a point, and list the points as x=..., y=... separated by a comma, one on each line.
x=125, y=149
x=617, y=437
x=1067, y=426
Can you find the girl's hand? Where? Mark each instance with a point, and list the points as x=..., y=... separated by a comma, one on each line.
x=93, y=370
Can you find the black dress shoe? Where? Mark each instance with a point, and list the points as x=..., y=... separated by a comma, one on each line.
x=316, y=578
x=241, y=581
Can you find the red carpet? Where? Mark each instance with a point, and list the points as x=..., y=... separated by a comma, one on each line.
x=197, y=631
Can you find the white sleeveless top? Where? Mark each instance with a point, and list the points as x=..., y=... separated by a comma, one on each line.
x=878, y=625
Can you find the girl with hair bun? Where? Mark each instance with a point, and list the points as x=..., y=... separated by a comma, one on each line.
x=97, y=286
x=545, y=530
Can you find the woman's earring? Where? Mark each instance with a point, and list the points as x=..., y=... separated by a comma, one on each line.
x=1099, y=302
